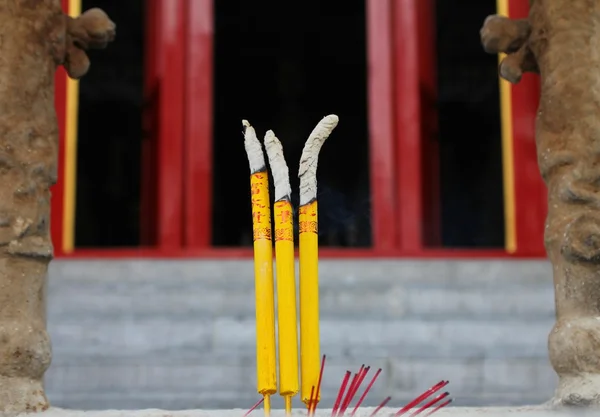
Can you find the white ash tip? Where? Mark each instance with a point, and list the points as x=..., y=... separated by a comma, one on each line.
x=310, y=157
x=279, y=168
x=323, y=129
x=254, y=150
x=270, y=136
x=332, y=118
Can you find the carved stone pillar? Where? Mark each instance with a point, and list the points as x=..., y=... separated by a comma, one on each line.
x=35, y=37
x=561, y=40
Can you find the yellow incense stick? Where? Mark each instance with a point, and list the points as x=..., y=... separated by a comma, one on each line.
x=263, y=269
x=286, y=277
x=286, y=302
x=309, y=260
x=309, y=300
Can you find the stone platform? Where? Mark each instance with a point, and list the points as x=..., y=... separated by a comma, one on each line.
x=180, y=334
x=363, y=412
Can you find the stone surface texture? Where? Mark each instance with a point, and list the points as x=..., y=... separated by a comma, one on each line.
x=559, y=40
x=35, y=37
x=180, y=334
x=363, y=412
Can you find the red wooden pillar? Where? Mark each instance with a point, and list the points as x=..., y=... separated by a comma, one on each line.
x=199, y=133
x=172, y=24
x=415, y=90
x=530, y=191
x=58, y=190
x=381, y=124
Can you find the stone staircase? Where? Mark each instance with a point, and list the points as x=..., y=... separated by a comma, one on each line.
x=180, y=334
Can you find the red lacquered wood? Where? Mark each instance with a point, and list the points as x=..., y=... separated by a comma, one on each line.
x=409, y=168
x=530, y=191
x=172, y=47
x=199, y=133
x=381, y=125
x=325, y=253
x=58, y=189
x=426, y=28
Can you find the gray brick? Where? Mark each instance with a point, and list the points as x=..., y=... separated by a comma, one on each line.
x=436, y=338
x=127, y=338
x=163, y=400
x=134, y=302
x=387, y=289
x=367, y=273
x=510, y=375
x=392, y=302
x=336, y=368
x=469, y=303
x=465, y=375
x=174, y=378
x=234, y=335
x=460, y=338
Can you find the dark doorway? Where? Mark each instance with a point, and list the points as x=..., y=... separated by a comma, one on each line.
x=469, y=123
x=110, y=134
x=283, y=66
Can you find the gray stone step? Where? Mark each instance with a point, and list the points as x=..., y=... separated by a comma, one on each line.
x=155, y=337
x=364, y=273
x=231, y=382
x=164, y=334
x=222, y=400
x=394, y=302
x=192, y=290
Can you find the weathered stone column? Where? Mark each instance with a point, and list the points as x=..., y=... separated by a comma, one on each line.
x=35, y=37
x=561, y=40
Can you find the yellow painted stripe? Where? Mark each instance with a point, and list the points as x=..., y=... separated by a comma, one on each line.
x=70, y=169
x=508, y=173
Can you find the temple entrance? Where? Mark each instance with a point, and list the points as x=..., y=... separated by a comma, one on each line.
x=469, y=123
x=284, y=67
x=110, y=134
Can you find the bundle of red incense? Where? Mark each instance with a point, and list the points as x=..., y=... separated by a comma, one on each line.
x=350, y=387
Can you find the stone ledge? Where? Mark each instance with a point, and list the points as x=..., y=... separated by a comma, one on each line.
x=395, y=301
x=376, y=289
x=339, y=338
x=496, y=380
x=358, y=273
x=532, y=411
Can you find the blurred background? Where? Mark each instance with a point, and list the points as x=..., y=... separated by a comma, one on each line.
x=430, y=203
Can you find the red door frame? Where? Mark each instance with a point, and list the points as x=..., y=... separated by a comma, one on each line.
x=402, y=86
x=403, y=123
x=178, y=125
x=530, y=191
x=381, y=125
x=409, y=156
x=199, y=119
x=58, y=189
x=171, y=72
